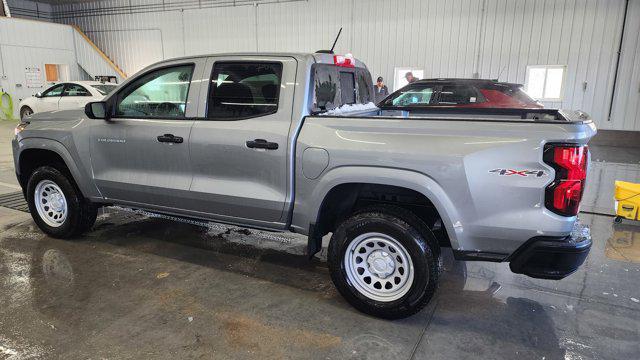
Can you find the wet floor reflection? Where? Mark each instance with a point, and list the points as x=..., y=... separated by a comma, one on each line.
x=145, y=287
x=481, y=318
x=624, y=243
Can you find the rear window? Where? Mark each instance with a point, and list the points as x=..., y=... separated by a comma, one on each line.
x=517, y=93
x=104, y=89
x=334, y=86
x=365, y=86
x=347, y=88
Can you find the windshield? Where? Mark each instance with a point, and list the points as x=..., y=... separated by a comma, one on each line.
x=104, y=89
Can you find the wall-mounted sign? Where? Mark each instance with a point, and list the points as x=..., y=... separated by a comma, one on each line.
x=33, y=77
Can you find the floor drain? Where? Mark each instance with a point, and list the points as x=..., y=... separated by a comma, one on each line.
x=14, y=201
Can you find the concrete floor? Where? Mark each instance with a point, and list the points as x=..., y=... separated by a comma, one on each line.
x=141, y=287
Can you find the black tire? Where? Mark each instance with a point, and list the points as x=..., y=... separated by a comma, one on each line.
x=407, y=229
x=25, y=111
x=81, y=214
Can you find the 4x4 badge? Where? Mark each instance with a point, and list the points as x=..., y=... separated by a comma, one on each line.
x=514, y=172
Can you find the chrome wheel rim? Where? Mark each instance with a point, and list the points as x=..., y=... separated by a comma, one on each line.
x=379, y=267
x=27, y=112
x=50, y=203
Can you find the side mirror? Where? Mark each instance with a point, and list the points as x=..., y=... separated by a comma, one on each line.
x=97, y=110
x=38, y=95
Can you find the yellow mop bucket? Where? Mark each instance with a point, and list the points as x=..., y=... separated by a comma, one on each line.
x=627, y=197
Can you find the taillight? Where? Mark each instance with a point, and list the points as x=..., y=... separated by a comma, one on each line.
x=563, y=195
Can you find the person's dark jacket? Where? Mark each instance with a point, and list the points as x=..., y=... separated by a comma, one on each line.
x=381, y=93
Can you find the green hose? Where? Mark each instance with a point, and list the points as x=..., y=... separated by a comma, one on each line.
x=6, y=105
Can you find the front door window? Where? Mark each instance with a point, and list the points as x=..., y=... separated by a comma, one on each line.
x=159, y=94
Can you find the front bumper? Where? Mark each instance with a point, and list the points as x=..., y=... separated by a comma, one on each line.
x=552, y=258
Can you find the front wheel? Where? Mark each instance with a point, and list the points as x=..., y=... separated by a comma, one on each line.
x=56, y=204
x=382, y=260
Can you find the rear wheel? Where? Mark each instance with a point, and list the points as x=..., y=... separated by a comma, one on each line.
x=25, y=111
x=382, y=261
x=56, y=205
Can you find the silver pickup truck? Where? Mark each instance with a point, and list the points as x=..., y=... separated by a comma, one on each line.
x=291, y=142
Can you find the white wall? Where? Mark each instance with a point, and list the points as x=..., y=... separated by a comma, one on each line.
x=626, y=110
x=26, y=43
x=29, y=43
x=455, y=38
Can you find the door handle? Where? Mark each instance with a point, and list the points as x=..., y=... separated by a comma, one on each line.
x=262, y=144
x=170, y=138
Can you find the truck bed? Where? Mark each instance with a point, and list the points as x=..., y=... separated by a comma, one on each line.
x=453, y=154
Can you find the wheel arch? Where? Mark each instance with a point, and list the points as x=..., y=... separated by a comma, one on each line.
x=342, y=190
x=25, y=104
x=36, y=152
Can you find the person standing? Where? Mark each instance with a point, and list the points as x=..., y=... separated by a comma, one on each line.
x=410, y=78
x=381, y=90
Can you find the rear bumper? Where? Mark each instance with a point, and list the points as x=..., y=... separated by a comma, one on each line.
x=552, y=258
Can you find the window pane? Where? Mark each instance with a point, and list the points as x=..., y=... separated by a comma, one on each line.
x=326, y=87
x=457, y=94
x=347, y=88
x=75, y=90
x=535, y=82
x=365, y=86
x=162, y=93
x=54, y=91
x=553, y=87
x=411, y=96
x=243, y=90
x=104, y=89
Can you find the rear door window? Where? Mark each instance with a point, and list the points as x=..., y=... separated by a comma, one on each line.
x=458, y=95
x=75, y=90
x=241, y=90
